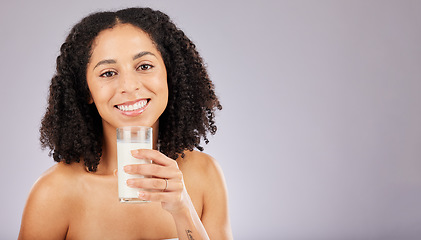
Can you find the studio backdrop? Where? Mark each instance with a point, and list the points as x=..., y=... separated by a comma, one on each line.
x=320, y=132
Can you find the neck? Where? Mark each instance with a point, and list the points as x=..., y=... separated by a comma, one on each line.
x=108, y=162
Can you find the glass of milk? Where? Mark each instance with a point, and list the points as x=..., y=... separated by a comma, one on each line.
x=131, y=138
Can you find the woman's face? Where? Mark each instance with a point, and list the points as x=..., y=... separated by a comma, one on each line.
x=127, y=78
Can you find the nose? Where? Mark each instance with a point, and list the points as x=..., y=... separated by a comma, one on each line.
x=129, y=83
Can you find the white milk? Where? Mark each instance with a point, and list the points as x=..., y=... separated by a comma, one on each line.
x=126, y=193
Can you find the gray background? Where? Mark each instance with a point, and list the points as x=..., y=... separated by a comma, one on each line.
x=320, y=135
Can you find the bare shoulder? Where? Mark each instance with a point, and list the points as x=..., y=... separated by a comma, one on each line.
x=198, y=161
x=49, y=205
x=200, y=165
x=204, y=170
x=59, y=179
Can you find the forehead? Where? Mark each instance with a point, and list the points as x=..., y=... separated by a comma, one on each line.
x=121, y=39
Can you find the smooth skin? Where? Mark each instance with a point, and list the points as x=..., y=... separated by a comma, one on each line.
x=68, y=202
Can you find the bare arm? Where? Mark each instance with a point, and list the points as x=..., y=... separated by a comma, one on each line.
x=215, y=218
x=189, y=226
x=215, y=215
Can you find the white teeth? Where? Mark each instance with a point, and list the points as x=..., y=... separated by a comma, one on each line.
x=133, y=107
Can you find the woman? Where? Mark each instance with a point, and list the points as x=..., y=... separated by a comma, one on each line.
x=111, y=62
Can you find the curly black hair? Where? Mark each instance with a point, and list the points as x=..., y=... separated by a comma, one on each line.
x=72, y=127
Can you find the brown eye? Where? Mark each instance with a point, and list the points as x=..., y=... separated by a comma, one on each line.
x=108, y=74
x=145, y=67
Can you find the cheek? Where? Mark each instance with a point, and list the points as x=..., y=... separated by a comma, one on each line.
x=160, y=86
x=97, y=89
x=164, y=84
x=91, y=87
x=163, y=89
x=100, y=93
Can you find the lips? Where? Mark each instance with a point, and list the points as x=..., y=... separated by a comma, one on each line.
x=130, y=108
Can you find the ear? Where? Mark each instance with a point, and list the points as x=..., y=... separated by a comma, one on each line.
x=90, y=99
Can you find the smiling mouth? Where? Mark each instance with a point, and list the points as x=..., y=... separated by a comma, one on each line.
x=125, y=107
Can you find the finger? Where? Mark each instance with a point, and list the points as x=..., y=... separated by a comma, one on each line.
x=155, y=184
x=153, y=170
x=160, y=196
x=155, y=156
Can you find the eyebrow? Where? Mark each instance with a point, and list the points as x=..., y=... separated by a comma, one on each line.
x=141, y=54
x=112, y=61
x=106, y=61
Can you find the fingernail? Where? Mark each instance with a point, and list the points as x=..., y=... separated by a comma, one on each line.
x=129, y=182
x=133, y=152
x=127, y=168
x=141, y=194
